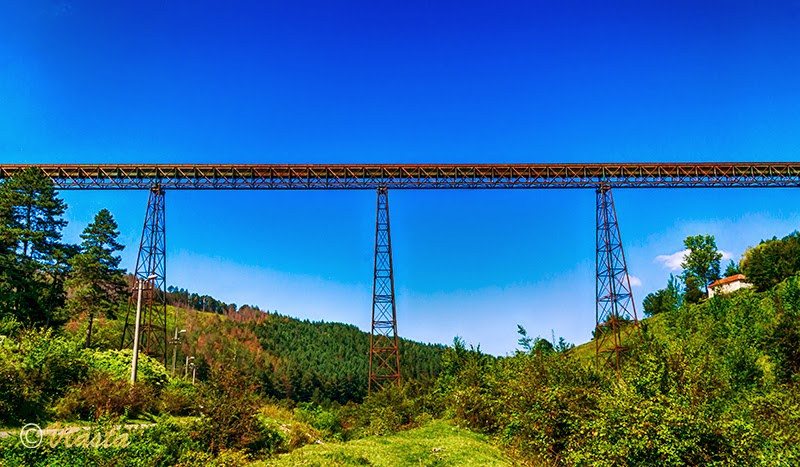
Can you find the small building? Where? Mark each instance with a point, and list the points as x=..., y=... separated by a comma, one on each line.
x=728, y=285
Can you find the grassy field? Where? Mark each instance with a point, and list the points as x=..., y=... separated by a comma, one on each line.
x=436, y=444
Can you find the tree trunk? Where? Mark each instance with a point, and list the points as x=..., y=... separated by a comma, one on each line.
x=89, y=330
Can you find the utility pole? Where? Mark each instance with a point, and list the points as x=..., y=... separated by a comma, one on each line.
x=175, y=341
x=137, y=328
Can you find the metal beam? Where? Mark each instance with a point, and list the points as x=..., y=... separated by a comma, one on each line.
x=425, y=176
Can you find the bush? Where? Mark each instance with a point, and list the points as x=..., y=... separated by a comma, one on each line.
x=229, y=416
x=35, y=368
x=179, y=397
x=8, y=327
x=326, y=421
x=117, y=364
x=103, y=395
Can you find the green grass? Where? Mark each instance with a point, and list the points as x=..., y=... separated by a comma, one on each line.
x=436, y=444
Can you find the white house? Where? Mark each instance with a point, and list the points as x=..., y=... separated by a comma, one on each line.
x=728, y=285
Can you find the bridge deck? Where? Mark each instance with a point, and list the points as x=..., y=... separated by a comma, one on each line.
x=365, y=176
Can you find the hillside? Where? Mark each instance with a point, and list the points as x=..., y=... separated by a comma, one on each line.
x=300, y=360
x=712, y=383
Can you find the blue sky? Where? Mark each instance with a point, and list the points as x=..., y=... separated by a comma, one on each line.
x=314, y=82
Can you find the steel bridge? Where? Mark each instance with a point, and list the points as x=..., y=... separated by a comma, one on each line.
x=615, y=313
x=373, y=176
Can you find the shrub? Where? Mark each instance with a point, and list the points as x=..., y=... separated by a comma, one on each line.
x=103, y=395
x=229, y=409
x=326, y=421
x=179, y=397
x=35, y=368
x=117, y=364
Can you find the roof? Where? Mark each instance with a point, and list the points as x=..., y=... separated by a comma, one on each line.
x=728, y=280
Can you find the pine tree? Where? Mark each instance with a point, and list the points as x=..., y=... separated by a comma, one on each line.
x=96, y=281
x=30, y=247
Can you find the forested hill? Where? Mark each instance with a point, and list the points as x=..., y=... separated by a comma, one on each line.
x=300, y=360
x=305, y=360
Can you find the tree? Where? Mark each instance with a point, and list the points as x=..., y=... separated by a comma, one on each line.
x=702, y=261
x=30, y=234
x=96, y=281
x=772, y=261
x=664, y=300
x=525, y=341
x=692, y=292
x=732, y=269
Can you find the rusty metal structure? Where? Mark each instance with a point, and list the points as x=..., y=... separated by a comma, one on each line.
x=384, y=356
x=151, y=269
x=615, y=310
x=373, y=176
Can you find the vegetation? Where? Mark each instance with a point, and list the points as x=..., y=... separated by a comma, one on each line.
x=772, y=261
x=95, y=280
x=706, y=381
x=33, y=260
x=715, y=383
x=664, y=300
x=435, y=444
x=702, y=261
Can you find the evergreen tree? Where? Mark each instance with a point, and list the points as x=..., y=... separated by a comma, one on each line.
x=96, y=281
x=732, y=269
x=30, y=234
x=664, y=300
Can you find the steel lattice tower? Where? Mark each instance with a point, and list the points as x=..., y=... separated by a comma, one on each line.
x=384, y=358
x=152, y=261
x=615, y=312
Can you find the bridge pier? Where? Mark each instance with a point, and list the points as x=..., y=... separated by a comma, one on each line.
x=384, y=357
x=150, y=263
x=615, y=310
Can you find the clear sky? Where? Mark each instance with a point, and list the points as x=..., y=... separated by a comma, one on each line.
x=179, y=81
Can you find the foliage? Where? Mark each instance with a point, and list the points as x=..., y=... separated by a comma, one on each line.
x=229, y=408
x=300, y=360
x=61, y=450
x=179, y=397
x=8, y=326
x=117, y=365
x=435, y=444
x=32, y=259
x=664, y=300
x=702, y=261
x=37, y=367
x=692, y=292
x=772, y=261
x=102, y=395
x=182, y=298
x=96, y=281
x=732, y=269
x=715, y=383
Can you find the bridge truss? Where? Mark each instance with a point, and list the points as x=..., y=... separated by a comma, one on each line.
x=615, y=309
x=363, y=176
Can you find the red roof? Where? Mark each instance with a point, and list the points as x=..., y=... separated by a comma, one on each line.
x=728, y=280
